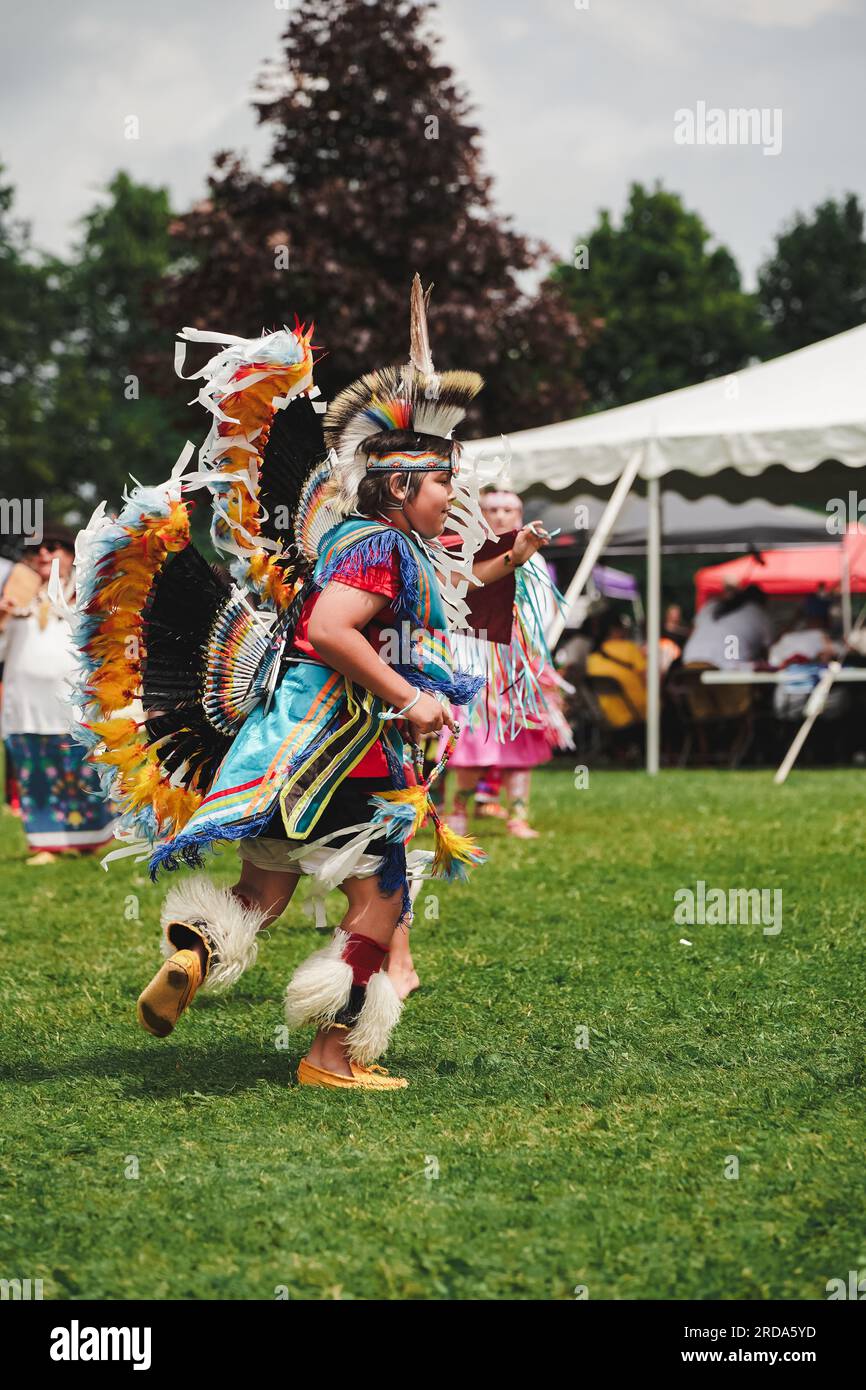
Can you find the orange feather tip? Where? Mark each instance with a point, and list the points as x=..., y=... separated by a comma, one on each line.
x=454, y=854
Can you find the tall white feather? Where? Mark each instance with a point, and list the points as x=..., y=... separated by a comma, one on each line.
x=420, y=356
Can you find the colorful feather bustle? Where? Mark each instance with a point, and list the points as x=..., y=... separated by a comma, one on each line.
x=117, y=560
x=315, y=517
x=247, y=383
x=241, y=655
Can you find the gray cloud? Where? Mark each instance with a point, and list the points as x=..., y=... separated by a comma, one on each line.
x=574, y=102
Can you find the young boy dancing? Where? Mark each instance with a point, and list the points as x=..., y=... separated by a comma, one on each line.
x=281, y=728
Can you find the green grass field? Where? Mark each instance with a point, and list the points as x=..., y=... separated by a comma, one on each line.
x=558, y=1165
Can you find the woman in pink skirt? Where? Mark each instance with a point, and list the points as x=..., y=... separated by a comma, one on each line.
x=487, y=754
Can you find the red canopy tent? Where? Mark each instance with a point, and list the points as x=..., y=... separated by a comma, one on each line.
x=789, y=571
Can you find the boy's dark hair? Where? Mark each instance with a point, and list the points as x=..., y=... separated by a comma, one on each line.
x=374, y=493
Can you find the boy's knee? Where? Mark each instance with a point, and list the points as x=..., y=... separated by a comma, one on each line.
x=364, y=896
x=269, y=892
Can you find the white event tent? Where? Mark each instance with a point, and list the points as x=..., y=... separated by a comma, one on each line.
x=738, y=436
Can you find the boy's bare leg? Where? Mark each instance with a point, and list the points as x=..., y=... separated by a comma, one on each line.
x=373, y=915
x=267, y=889
x=401, y=967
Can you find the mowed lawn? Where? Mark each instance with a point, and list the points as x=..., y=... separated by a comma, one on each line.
x=520, y=1163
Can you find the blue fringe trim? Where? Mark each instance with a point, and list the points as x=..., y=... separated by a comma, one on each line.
x=461, y=688
x=396, y=770
x=393, y=871
x=189, y=849
x=392, y=874
x=377, y=550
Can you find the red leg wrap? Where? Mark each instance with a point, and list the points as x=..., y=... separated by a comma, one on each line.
x=364, y=955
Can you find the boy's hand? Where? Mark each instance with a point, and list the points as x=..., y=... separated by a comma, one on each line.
x=427, y=715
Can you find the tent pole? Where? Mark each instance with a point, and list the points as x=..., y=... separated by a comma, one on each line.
x=815, y=705
x=596, y=545
x=653, y=625
x=845, y=587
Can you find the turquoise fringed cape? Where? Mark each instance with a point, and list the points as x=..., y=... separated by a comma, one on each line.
x=321, y=724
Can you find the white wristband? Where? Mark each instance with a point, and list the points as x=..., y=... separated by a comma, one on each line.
x=398, y=714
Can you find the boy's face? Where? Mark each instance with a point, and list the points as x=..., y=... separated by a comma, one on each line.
x=427, y=512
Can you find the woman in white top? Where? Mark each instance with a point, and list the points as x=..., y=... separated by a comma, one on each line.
x=61, y=805
x=731, y=631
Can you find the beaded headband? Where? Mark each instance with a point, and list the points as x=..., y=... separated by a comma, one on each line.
x=399, y=462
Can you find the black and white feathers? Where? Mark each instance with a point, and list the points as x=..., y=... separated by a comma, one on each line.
x=409, y=397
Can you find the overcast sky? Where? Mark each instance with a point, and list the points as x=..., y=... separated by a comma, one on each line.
x=575, y=98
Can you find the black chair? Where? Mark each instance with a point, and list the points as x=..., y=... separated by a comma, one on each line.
x=719, y=719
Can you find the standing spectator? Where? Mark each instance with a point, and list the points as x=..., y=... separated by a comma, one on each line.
x=61, y=805
x=674, y=633
x=673, y=627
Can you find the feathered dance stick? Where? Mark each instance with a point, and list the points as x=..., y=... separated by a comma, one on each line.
x=402, y=814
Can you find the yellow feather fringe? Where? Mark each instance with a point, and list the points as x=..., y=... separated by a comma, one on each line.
x=414, y=797
x=118, y=648
x=454, y=853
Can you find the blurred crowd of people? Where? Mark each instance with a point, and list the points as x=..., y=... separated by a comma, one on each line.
x=49, y=787
x=605, y=659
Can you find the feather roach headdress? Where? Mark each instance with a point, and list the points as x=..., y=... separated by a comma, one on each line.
x=413, y=398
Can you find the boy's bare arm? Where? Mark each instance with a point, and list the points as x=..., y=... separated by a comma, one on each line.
x=335, y=632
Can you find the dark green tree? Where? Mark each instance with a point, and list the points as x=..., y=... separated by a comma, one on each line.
x=814, y=283
x=29, y=322
x=109, y=415
x=668, y=310
x=376, y=172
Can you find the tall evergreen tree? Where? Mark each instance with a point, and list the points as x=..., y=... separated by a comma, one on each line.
x=814, y=283
x=377, y=172
x=29, y=321
x=109, y=415
x=669, y=310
